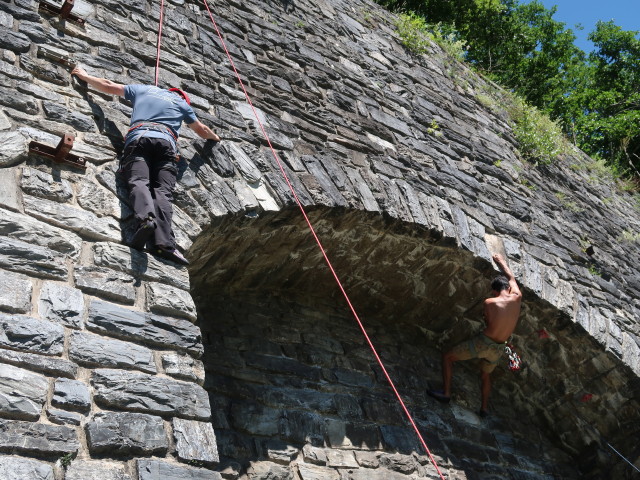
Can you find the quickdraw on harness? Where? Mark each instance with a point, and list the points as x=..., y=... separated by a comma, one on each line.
x=514, y=359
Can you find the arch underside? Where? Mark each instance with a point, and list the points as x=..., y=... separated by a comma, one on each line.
x=287, y=365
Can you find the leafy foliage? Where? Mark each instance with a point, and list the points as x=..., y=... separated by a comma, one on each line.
x=595, y=98
x=541, y=139
x=605, y=110
x=416, y=34
x=413, y=32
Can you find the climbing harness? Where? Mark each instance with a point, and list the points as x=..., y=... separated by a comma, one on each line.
x=514, y=359
x=157, y=127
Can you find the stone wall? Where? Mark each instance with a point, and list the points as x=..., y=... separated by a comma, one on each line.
x=411, y=181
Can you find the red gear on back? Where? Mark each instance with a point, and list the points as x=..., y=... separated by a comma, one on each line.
x=182, y=94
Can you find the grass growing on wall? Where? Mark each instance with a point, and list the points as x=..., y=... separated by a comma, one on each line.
x=417, y=35
x=541, y=139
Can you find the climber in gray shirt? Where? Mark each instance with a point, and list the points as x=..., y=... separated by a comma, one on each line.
x=150, y=155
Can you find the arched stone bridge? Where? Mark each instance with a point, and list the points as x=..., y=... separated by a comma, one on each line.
x=248, y=364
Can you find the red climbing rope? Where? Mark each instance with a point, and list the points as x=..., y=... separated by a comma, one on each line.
x=159, y=39
x=324, y=254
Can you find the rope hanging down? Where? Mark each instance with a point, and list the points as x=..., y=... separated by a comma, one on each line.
x=159, y=40
x=324, y=254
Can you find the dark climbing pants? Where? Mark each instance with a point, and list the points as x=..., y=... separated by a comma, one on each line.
x=149, y=168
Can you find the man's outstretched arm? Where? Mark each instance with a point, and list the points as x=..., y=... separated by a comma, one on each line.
x=203, y=131
x=101, y=84
x=502, y=265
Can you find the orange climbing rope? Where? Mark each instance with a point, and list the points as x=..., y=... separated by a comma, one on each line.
x=324, y=254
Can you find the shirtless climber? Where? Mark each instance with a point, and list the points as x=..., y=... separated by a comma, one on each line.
x=150, y=155
x=501, y=313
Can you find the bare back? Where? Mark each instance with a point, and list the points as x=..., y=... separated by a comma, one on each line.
x=501, y=315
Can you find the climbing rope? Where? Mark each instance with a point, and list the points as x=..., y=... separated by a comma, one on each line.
x=159, y=39
x=320, y=246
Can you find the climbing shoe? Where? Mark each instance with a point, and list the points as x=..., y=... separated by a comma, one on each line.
x=144, y=232
x=171, y=254
x=439, y=396
x=483, y=414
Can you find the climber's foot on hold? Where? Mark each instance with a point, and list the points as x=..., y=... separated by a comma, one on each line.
x=483, y=414
x=439, y=396
x=170, y=254
x=144, y=232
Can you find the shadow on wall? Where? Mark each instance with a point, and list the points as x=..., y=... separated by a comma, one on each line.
x=294, y=386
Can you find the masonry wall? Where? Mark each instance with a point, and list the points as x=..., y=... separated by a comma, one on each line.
x=413, y=182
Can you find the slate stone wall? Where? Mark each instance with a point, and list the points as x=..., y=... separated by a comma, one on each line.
x=412, y=180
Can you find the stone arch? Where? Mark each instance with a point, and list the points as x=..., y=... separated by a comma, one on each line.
x=296, y=385
x=354, y=121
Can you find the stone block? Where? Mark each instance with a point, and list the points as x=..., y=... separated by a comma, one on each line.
x=96, y=351
x=61, y=304
x=12, y=71
x=98, y=470
x=399, y=438
x=255, y=418
x=404, y=464
x=378, y=474
x=37, y=438
x=15, y=41
x=44, y=185
x=315, y=455
x=341, y=459
x=195, y=441
x=71, y=395
x=106, y=283
x=126, y=434
x=302, y=427
x=278, y=451
x=22, y=393
x=262, y=470
x=170, y=300
x=52, y=366
x=314, y=472
x=28, y=229
x=72, y=218
x=15, y=296
x=57, y=112
x=352, y=435
x=14, y=468
x=29, y=334
x=62, y=417
x=170, y=332
x=367, y=459
x=10, y=195
x=183, y=366
x=158, y=470
x=141, y=392
x=14, y=148
x=128, y=260
x=97, y=199
x=32, y=260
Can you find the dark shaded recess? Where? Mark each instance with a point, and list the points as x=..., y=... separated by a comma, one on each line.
x=279, y=338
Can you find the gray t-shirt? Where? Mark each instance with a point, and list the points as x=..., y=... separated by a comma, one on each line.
x=156, y=105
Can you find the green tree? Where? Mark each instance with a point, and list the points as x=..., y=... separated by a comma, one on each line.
x=605, y=110
x=595, y=98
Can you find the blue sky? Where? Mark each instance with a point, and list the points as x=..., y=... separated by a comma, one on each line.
x=625, y=13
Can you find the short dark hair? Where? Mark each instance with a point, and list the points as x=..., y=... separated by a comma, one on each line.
x=500, y=283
